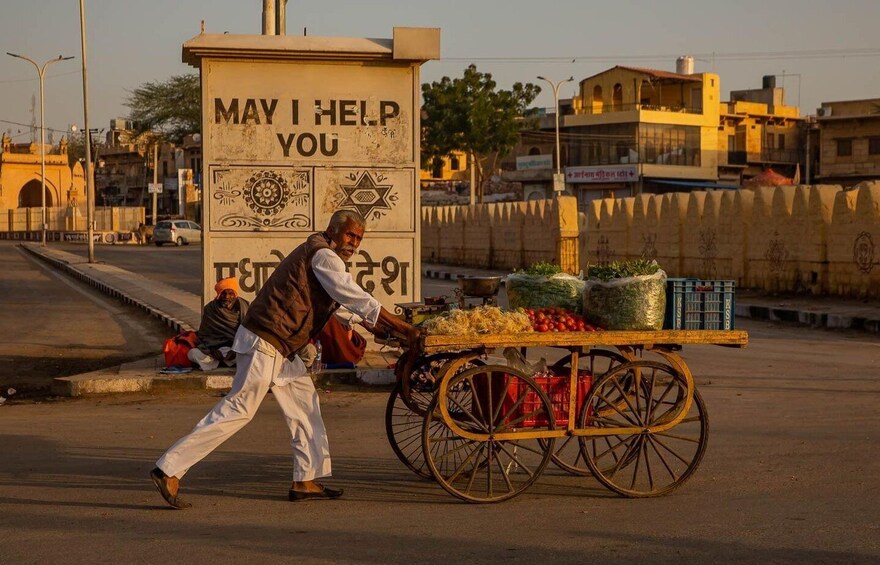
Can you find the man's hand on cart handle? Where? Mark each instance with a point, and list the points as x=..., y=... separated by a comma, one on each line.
x=390, y=327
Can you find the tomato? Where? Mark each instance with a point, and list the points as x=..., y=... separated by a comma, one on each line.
x=541, y=327
x=581, y=326
x=561, y=327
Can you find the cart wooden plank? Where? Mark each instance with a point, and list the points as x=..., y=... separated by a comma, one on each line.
x=734, y=338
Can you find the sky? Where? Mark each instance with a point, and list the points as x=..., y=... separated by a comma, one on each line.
x=828, y=50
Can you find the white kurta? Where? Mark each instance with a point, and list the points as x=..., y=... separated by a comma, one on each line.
x=261, y=366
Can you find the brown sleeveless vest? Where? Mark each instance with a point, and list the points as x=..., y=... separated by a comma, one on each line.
x=292, y=306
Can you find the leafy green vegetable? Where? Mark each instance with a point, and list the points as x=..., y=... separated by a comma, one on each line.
x=622, y=269
x=628, y=303
x=542, y=268
x=540, y=291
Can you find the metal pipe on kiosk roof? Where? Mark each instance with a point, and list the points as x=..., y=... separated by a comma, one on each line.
x=275, y=17
x=281, y=17
x=268, y=17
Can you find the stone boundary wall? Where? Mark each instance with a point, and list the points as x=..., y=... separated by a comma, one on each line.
x=505, y=235
x=819, y=239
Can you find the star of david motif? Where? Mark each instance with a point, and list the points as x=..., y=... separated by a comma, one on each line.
x=366, y=196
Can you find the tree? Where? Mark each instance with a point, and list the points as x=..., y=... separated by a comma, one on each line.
x=171, y=109
x=468, y=114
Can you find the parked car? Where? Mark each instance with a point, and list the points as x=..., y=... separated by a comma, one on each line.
x=178, y=232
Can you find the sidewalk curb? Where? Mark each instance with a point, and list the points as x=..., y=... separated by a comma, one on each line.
x=812, y=319
x=165, y=318
x=108, y=382
x=752, y=311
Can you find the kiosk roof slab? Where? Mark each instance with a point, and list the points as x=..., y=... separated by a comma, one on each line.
x=408, y=45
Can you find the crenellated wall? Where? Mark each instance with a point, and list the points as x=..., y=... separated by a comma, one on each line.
x=819, y=238
x=505, y=235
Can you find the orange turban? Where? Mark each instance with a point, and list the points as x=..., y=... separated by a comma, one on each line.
x=230, y=283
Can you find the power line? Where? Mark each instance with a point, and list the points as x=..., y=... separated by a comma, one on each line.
x=33, y=126
x=734, y=56
x=36, y=79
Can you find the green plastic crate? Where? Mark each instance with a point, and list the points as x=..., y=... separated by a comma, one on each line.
x=694, y=304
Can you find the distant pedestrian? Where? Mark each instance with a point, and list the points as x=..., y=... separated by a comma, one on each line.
x=141, y=234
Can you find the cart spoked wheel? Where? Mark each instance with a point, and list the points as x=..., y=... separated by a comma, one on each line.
x=403, y=420
x=479, y=433
x=651, y=458
x=567, y=454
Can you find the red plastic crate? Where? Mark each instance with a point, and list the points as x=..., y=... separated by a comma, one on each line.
x=558, y=390
x=556, y=387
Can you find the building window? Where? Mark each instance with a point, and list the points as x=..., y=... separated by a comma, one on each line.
x=874, y=146
x=617, y=96
x=771, y=139
x=844, y=147
x=454, y=164
x=534, y=151
x=780, y=140
x=437, y=168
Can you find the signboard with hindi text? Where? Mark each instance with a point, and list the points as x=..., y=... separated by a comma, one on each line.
x=581, y=175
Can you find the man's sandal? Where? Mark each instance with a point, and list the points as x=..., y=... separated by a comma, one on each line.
x=323, y=494
x=160, y=480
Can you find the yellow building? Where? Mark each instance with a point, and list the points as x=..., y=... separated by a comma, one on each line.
x=849, y=141
x=20, y=176
x=452, y=168
x=758, y=131
x=643, y=130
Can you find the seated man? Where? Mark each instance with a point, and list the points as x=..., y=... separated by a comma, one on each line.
x=220, y=320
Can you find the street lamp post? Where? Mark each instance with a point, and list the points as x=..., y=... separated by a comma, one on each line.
x=41, y=71
x=558, y=178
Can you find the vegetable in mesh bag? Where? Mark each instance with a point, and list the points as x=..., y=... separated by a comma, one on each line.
x=629, y=303
x=539, y=291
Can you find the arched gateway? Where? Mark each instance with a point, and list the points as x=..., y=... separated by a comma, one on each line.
x=29, y=195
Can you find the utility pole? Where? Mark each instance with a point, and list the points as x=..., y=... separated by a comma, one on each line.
x=472, y=169
x=90, y=170
x=155, y=179
x=808, y=159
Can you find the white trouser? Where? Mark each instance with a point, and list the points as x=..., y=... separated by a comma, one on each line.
x=208, y=363
x=256, y=370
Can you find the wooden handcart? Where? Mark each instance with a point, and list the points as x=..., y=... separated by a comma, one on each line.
x=625, y=410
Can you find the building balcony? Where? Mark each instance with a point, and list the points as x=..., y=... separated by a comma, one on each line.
x=787, y=156
x=737, y=158
x=606, y=108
